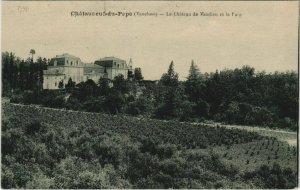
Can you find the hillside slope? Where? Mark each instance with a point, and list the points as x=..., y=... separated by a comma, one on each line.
x=51, y=148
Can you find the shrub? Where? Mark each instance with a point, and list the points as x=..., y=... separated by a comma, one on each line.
x=33, y=128
x=274, y=177
x=40, y=181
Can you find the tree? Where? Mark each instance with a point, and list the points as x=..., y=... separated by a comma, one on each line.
x=194, y=73
x=114, y=102
x=138, y=74
x=86, y=89
x=130, y=75
x=61, y=84
x=170, y=98
x=32, y=52
x=170, y=78
x=10, y=72
x=103, y=88
x=214, y=92
x=41, y=64
x=194, y=84
x=70, y=85
x=120, y=83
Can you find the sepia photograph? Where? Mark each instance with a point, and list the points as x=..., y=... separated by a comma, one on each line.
x=149, y=94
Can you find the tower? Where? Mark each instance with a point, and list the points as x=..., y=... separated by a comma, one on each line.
x=130, y=70
x=130, y=64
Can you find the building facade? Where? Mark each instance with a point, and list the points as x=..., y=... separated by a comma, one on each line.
x=63, y=67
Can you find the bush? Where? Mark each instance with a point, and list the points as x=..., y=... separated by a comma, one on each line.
x=53, y=99
x=274, y=177
x=40, y=181
x=16, y=98
x=166, y=150
x=33, y=128
x=139, y=106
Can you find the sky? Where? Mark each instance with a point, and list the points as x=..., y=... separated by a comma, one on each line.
x=265, y=36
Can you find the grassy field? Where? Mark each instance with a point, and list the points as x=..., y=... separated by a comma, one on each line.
x=188, y=148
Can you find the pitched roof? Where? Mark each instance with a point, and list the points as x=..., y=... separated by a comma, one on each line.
x=110, y=58
x=60, y=59
x=66, y=55
x=89, y=67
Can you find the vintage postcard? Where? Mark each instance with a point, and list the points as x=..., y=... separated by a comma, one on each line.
x=149, y=94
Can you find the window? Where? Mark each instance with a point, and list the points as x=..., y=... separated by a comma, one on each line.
x=71, y=63
x=55, y=83
x=118, y=65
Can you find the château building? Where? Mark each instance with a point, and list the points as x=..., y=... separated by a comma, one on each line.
x=66, y=66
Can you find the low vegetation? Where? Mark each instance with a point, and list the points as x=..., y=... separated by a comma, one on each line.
x=55, y=148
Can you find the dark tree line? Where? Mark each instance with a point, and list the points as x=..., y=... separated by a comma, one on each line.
x=20, y=74
x=238, y=96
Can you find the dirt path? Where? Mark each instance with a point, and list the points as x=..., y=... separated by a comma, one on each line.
x=252, y=128
x=288, y=136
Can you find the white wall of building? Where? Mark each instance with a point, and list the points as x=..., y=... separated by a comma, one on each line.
x=73, y=68
x=52, y=81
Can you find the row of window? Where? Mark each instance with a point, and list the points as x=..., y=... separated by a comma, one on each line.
x=74, y=77
x=122, y=65
x=79, y=78
x=71, y=63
